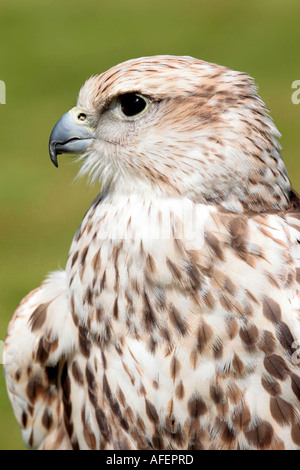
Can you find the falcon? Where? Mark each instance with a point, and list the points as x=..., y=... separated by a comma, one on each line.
x=175, y=324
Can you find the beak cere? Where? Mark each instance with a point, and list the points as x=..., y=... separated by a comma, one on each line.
x=69, y=136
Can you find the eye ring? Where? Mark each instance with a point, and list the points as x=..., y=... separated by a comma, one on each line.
x=132, y=104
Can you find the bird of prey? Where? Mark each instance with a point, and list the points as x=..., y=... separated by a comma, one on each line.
x=175, y=324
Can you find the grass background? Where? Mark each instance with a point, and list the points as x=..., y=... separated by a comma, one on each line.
x=49, y=48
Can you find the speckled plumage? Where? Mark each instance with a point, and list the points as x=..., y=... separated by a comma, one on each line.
x=175, y=323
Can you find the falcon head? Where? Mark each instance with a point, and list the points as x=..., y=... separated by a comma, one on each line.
x=177, y=126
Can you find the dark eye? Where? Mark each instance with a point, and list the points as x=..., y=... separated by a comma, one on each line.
x=132, y=104
x=81, y=116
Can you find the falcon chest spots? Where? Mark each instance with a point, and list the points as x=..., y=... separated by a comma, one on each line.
x=173, y=314
x=128, y=255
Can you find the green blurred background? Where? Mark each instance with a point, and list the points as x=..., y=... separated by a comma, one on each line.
x=49, y=48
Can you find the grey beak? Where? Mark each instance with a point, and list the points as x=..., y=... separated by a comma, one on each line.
x=69, y=136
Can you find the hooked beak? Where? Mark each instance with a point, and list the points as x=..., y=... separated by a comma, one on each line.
x=70, y=135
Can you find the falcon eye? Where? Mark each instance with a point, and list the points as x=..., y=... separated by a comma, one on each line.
x=81, y=116
x=132, y=104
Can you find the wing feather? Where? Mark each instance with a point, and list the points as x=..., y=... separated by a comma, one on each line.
x=40, y=334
